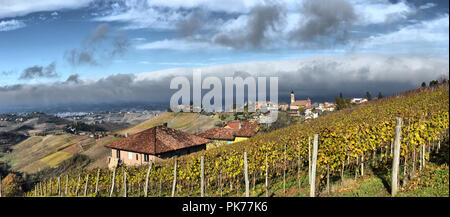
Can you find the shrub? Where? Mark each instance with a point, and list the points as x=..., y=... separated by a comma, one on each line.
x=12, y=185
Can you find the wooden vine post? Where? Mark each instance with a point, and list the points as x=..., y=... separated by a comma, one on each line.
x=342, y=173
x=96, y=181
x=86, y=185
x=146, y=179
x=78, y=184
x=328, y=179
x=202, y=177
x=247, y=185
x=1, y=187
x=174, y=186
x=267, y=176
x=51, y=186
x=298, y=169
x=284, y=171
x=124, y=182
x=309, y=160
x=67, y=185
x=160, y=188
x=423, y=155
x=113, y=182
x=314, y=166
x=396, y=158
x=59, y=186
x=220, y=184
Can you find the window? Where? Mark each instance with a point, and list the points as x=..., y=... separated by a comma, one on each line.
x=118, y=154
x=137, y=157
x=146, y=157
x=130, y=156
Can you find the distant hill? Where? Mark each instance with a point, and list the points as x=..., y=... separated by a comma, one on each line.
x=41, y=152
x=188, y=122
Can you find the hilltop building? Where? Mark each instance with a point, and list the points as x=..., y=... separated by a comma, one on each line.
x=358, y=100
x=296, y=104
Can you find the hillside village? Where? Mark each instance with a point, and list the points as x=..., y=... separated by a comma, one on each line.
x=234, y=127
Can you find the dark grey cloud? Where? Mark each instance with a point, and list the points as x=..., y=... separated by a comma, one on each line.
x=73, y=78
x=120, y=45
x=121, y=88
x=101, y=45
x=262, y=18
x=315, y=77
x=192, y=24
x=7, y=88
x=324, y=22
x=100, y=33
x=39, y=72
x=7, y=72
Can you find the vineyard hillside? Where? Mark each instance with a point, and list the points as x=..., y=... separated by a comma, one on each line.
x=188, y=122
x=354, y=143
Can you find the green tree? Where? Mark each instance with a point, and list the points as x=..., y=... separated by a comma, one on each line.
x=424, y=84
x=380, y=95
x=301, y=109
x=368, y=96
x=341, y=103
x=433, y=82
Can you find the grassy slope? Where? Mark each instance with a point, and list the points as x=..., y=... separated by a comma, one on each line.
x=26, y=156
x=187, y=122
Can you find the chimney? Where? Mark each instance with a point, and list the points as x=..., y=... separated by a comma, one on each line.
x=240, y=126
x=165, y=124
x=126, y=134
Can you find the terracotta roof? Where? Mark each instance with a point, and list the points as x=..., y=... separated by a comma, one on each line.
x=300, y=102
x=218, y=133
x=248, y=128
x=167, y=139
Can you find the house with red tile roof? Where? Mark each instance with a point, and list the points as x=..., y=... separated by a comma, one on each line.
x=234, y=131
x=155, y=144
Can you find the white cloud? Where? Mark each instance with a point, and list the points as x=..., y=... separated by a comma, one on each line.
x=427, y=6
x=139, y=18
x=381, y=11
x=328, y=70
x=13, y=8
x=9, y=25
x=178, y=44
x=426, y=34
x=138, y=39
x=163, y=14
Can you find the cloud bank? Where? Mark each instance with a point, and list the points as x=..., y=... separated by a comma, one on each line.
x=13, y=8
x=314, y=77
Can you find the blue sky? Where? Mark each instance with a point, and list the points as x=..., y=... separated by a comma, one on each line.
x=114, y=37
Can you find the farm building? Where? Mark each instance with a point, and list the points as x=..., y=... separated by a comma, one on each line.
x=154, y=144
x=234, y=131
